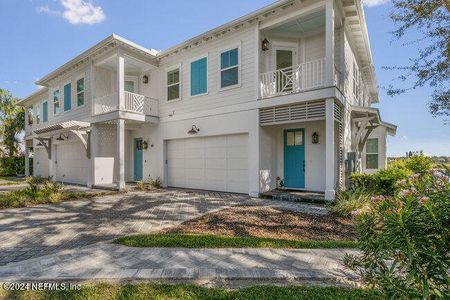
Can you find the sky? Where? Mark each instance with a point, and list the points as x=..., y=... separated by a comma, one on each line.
x=38, y=36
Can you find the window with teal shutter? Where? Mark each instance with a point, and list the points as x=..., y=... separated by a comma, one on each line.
x=67, y=97
x=199, y=80
x=45, y=111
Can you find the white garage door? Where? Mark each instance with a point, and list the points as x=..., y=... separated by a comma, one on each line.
x=40, y=162
x=72, y=163
x=212, y=163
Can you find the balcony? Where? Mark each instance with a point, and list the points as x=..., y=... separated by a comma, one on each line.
x=134, y=103
x=295, y=79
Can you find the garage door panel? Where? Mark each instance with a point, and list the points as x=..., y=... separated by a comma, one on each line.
x=213, y=163
x=72, y=163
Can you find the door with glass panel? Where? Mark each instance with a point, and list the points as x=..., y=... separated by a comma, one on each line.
x=294, y=158
x=284, y=63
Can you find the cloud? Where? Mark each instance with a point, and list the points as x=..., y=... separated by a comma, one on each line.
x=82, y=12
x=76, y=12
x=372, y=3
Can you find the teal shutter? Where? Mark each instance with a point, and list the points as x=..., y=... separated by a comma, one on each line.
x=67, y=97
x=199, y=75
x=45, y=112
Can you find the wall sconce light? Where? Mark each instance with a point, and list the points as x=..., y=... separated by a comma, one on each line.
x=145, y=79
x=145, y=145
x=39, y=144
x=194, y=130
x=315, y=138
x=60, y=138
x=265, y=45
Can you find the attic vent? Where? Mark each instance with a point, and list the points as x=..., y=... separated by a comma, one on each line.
x=292, y=113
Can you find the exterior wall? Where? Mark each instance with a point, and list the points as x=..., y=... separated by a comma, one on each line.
x=379, y=133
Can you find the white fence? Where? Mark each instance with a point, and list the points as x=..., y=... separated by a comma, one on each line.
x=132, y=102
x=293, y=79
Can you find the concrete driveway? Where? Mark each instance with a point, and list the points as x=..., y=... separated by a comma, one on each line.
x=34, y=232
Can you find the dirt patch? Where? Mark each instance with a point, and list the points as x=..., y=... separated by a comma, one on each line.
x=269, y=222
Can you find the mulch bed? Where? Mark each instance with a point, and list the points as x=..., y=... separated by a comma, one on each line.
x=269, y=222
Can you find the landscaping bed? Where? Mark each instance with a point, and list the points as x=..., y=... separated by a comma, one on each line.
x=250, y=226
x=182, y=291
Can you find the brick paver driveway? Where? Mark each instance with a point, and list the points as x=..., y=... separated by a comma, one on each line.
x=37, y=231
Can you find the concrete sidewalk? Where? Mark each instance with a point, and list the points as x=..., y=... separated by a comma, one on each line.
x=107, y=261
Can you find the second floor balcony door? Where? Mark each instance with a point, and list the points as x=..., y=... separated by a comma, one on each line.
x=131, y=84
x=284, y=65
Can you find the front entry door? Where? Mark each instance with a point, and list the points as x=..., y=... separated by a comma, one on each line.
x=294, y=158
x=138, y=159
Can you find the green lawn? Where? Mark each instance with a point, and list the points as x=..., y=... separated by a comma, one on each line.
x=157, y=291
x=213, y=241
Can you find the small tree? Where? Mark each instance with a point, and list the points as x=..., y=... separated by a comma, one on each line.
x=431, y=18
x=12, y=122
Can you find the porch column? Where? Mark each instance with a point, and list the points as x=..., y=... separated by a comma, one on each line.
x=93, y=144
x=330, y=179
x=121, y=153
x=329, y=42
x=120, y=80
x=253, y=152
x=27, y=160
x=52, y=167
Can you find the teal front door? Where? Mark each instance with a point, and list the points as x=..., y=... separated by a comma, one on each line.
x=294, y=158
x=138, y=159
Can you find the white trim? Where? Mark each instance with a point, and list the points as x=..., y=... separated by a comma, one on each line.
x=166, y=95
x=207, y=74
x=219, y=67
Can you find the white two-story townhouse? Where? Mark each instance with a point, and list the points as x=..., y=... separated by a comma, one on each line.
x=284, y=92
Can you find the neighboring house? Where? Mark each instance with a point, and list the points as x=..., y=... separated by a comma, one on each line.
x=284, y=91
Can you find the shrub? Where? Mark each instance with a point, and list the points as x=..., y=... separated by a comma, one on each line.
x=404, y=239
x=351, y=200
x=156, y=183
x=33, y=184
x=11, y=166
x=364, y=181
x=149, y=185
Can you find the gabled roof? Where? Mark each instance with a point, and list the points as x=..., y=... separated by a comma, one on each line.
x=41, y=91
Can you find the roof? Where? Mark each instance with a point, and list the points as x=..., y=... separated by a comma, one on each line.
x=391, y=128
x=111, y=41
x=39, y=92
x=63, y=126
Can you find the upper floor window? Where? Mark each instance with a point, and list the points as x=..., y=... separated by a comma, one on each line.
x=56, y=96
x=372, y=154
x=30, y=115
x=173, y=84
x=68, y=97
x=199, y=73
x=38, y=113
x=45, y=111
x=80, y=92
x=229, y=68
x=355, y=80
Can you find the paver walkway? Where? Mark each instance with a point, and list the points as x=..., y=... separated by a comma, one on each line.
x=116, y=262
x=32, y=232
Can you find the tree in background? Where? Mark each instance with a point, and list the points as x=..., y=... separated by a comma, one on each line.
x=431, y=18
x=12, y=122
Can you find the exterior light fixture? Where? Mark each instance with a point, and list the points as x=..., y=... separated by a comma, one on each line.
x=145, y=79
x=39, y=144
x=194, y=130
x=60, y=138
x=315, y=138
x=265, y=44
x=145, y=145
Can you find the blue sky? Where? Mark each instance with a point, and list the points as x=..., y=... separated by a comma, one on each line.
x=40, y=35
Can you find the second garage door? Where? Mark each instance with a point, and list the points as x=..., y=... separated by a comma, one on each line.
x=218, y=163
x=72, y=163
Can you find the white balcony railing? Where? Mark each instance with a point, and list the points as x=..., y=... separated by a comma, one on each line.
x=133, y=103
x=293, y=79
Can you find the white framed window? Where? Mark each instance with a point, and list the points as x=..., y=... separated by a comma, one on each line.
x=230, y=68
x=56, y=101
x=80, y=92
x=173, y=83
x=372, y=154
x=38, y=113
x=45, y=111
x=199, y=76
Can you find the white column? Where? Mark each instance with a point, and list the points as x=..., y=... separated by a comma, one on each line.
x=92, y=87
x=93, y=148
x=330, y=178
x=121, y=153
x=120, y=80
x=329, y=43
x=253, y=152
x=27, y=160
x=52, y=167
